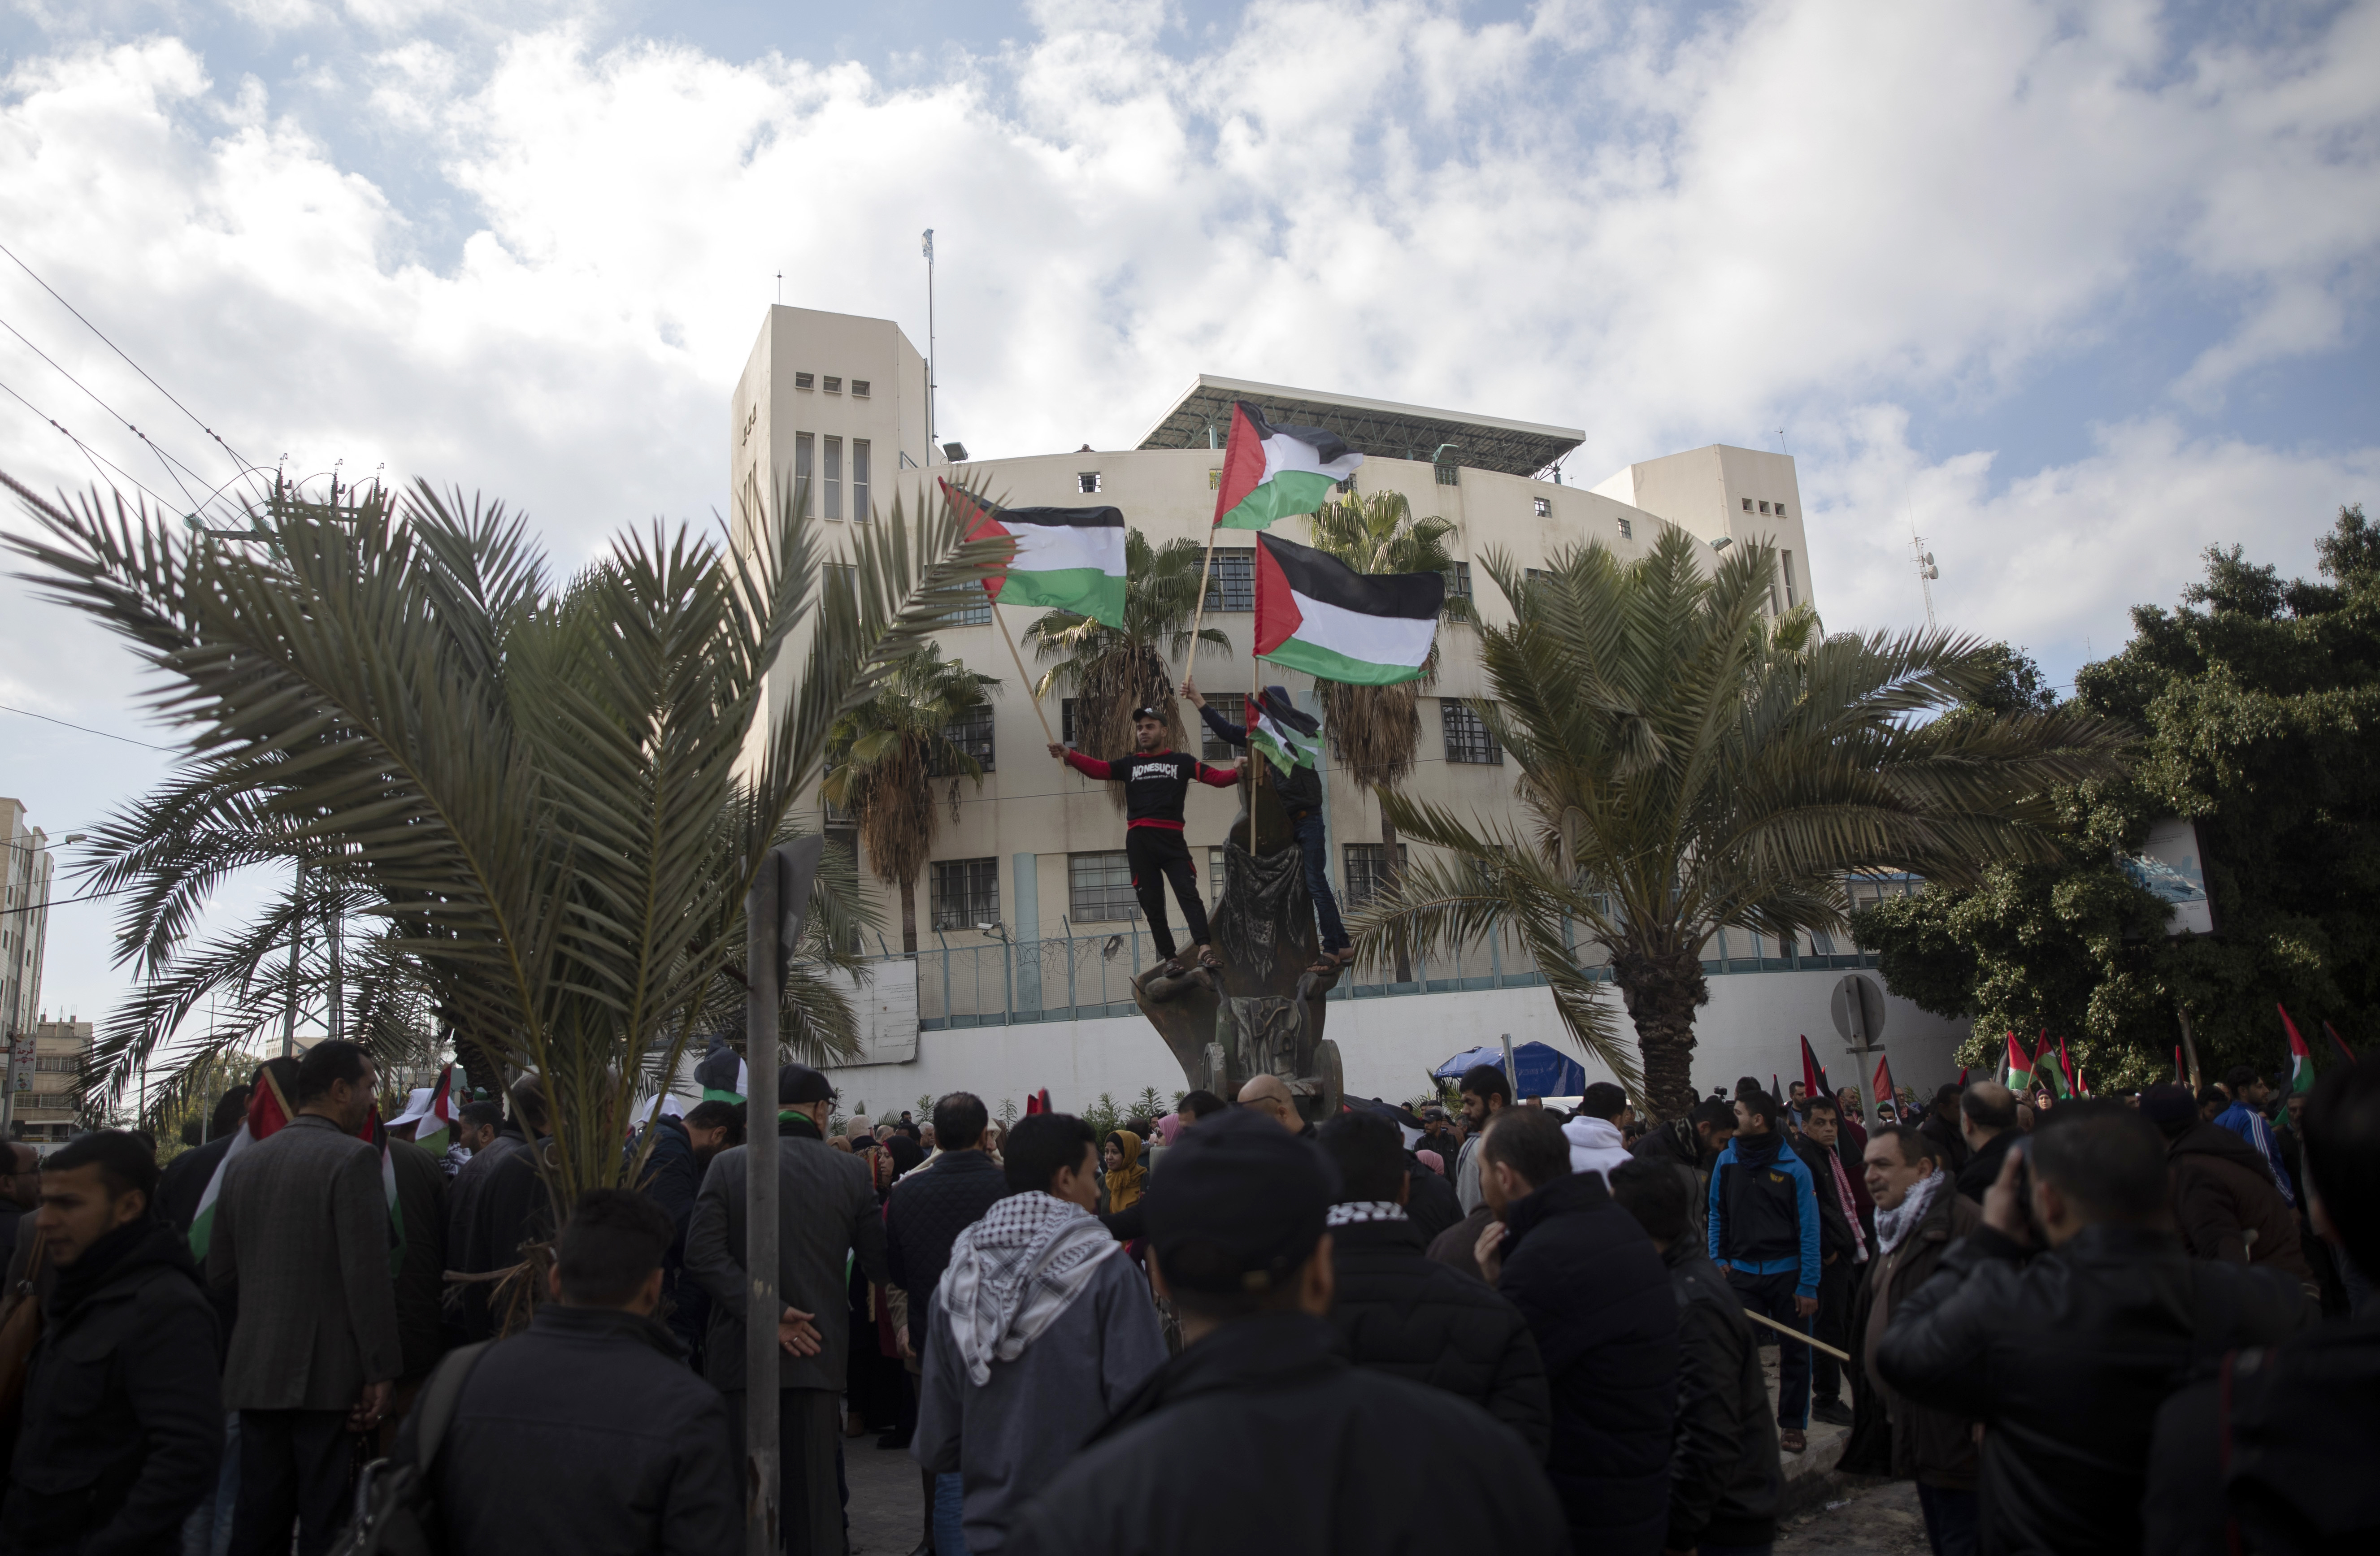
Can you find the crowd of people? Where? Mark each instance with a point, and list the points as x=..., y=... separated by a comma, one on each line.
x=2132, y=1323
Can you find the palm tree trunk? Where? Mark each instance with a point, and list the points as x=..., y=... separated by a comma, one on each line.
x=908, y=915
x=1662, y=989
x=1389, y=876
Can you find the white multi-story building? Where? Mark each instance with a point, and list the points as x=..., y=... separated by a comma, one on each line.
x=835, y=406
x=25, y=868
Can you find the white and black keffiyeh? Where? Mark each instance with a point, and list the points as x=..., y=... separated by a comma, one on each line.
x=1897, y=1223
x=1349, y=1211
x=1013, y=1272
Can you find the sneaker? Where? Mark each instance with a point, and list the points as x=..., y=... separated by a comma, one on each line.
x=1790, y=1439
x=1833, y=1412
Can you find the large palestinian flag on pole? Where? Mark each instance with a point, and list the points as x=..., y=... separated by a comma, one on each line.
x=268, y=1109
x=2018, y=1073
x=1318, y=615
x=1287, y=738
x=1271, y=472
x=1066, y=559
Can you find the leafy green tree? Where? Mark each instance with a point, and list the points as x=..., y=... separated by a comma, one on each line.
x=1686, y=766
x=2254, y=703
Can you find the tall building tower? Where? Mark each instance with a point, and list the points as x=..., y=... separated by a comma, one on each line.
x=24, y=929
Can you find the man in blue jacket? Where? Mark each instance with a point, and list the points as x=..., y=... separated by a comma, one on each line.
x=1764, y=1233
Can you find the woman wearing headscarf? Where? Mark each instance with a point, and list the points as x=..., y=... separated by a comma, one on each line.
x=1127, y=1177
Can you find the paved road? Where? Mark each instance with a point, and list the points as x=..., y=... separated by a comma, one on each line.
x=1879, y=1519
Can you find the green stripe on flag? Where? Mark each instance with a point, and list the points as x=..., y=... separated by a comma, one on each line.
x=1327, y=666
x=1085, y=591
x=1286, y=494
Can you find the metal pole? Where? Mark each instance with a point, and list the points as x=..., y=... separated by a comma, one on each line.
x=929, y=344
x=762, y=1304
x=1512, y=1070
x=336, y=932
x=297, y=922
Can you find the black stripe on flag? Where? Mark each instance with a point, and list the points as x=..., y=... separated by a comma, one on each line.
x=1418, y=596
x=1329, y=446
x=1065, y=518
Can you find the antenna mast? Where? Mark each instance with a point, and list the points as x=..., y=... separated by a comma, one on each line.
x=1926, y=572
x=929, y=247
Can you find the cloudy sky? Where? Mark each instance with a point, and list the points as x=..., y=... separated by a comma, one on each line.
x=2076, y=289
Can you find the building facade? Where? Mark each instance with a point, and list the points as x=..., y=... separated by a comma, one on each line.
x=1026, y=912
x=44, y=1112
x=25, y=867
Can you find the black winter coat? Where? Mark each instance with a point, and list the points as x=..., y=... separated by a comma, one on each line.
x=2289, y=1467
x=1725, y=1478
x=1430, y=1200
x=1397, y=1312
x=1260, y=1440
x=925, y=1216
x=123, y=1408
x=1594, y=1291
x=471, y=1237
x=2065, y=1359
x=1983, y=1168
x=586, y=1433
x=1836, y=1243
x=671, y=1180
x=1675, y=1143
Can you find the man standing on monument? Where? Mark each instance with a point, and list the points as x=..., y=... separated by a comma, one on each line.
x=1299, y=785
x=1155, y=780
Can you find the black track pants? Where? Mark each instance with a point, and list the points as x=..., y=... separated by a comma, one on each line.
x=1158, y=854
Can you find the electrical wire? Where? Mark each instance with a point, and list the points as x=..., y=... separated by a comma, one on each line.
x=155, y=447
x=62, y=901
x=88, y=730
x=87, y=452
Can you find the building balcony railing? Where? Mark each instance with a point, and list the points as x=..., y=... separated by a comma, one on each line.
x=1089, y=974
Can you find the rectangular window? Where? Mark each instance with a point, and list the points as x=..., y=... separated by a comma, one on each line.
x=833, y=482
x=1747, y=504
x=1788, y=559
x=834, y=385
x=804, y=380
x=862, y=459
x=1764, y=507
x=859, y=388
x=977, y=615
x=1866, y=891
x=1233, y=585
x=1234, y=707
x=1458, y=581
x=804, y=458
x=1448, y=475
x=1099, y=888
x=1781, y=510
x=1544, y=505
x=1214, y=875
x=1467, y=739
x=1627, y=528
x=1364, y=874
x=965, y=893
x=1065, y=717
x=971, y=733
x=1086, y=481
x=1214, y=477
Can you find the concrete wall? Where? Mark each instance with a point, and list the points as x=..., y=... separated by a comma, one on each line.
x=1388, y=1046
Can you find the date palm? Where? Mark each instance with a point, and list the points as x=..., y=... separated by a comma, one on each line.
x=1684, y=768
x=1374, y=731
x=885, y=756
x=1113, y=670
x=555, y=797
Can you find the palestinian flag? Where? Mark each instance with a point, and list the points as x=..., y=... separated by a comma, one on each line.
x=2180, y=1076
x=2344, y=1051
x=2019, y=1078
x=722, y=1074
x=1271, y=472
x=436, y=1130
x=2066, y=1068
x=1066, y=559
x=375, y=1134
x=1881, y=1082
x=268, y=1109
x=1813, y=1080
x=2045, y=1072
x=2300, y=1056
x=1287, y=738
x=1318, y=615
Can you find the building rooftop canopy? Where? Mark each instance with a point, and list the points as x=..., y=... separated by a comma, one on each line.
x=1382, y=427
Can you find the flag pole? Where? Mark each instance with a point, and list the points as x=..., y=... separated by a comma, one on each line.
x=1000, y=625
x=1198, y=618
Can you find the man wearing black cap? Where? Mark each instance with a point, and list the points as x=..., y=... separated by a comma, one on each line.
x=1155, y=782
x=826, y=1213
x=1260, y=1437
x=1300, y=789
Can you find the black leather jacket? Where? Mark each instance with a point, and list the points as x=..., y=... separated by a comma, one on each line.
x=2065, y=1358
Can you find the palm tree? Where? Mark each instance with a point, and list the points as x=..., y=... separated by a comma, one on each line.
x=1374, y=731
x=1113, y=670
x=883, y=756
x=1685, y=768
x=544, y=793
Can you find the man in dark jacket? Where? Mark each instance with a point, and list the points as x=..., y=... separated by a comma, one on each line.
x=1919, y=1214
x=1594, y=1291
x=827, y=1218
x=585, y=1432
x=1764, y=1233
x=420, y=1275
x=2284, y=1468
x=2225, y=1202
x=1400, y=1313
x=1300, y=790
x=1690, y=1145
x=123, y=1419
x=1988, y=1123
x=483, y=1194
x=670, y=1178
x=184, y=1180
x=927, y=1211
x=1259, y=1439
x=2065, y=1351
x=1941, y=1126
x=1842, y=1251
x=1725, y=1476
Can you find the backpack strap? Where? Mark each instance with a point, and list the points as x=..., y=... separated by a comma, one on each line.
x=439, y=1396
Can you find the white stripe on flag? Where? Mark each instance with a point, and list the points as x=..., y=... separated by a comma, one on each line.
x=1282, y=451
x=1053, y=548
x=1403, y=640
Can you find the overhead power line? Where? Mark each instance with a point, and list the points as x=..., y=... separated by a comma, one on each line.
x=154, y=447
x=87, y=452
x=88, y=730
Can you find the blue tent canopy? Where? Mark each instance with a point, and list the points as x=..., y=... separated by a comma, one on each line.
x=1545, y=1071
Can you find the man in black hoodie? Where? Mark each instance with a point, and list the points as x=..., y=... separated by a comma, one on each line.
x=1593, y=1289
x=2285, y=1470
x=1726, y=1476
x=123, y=1414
